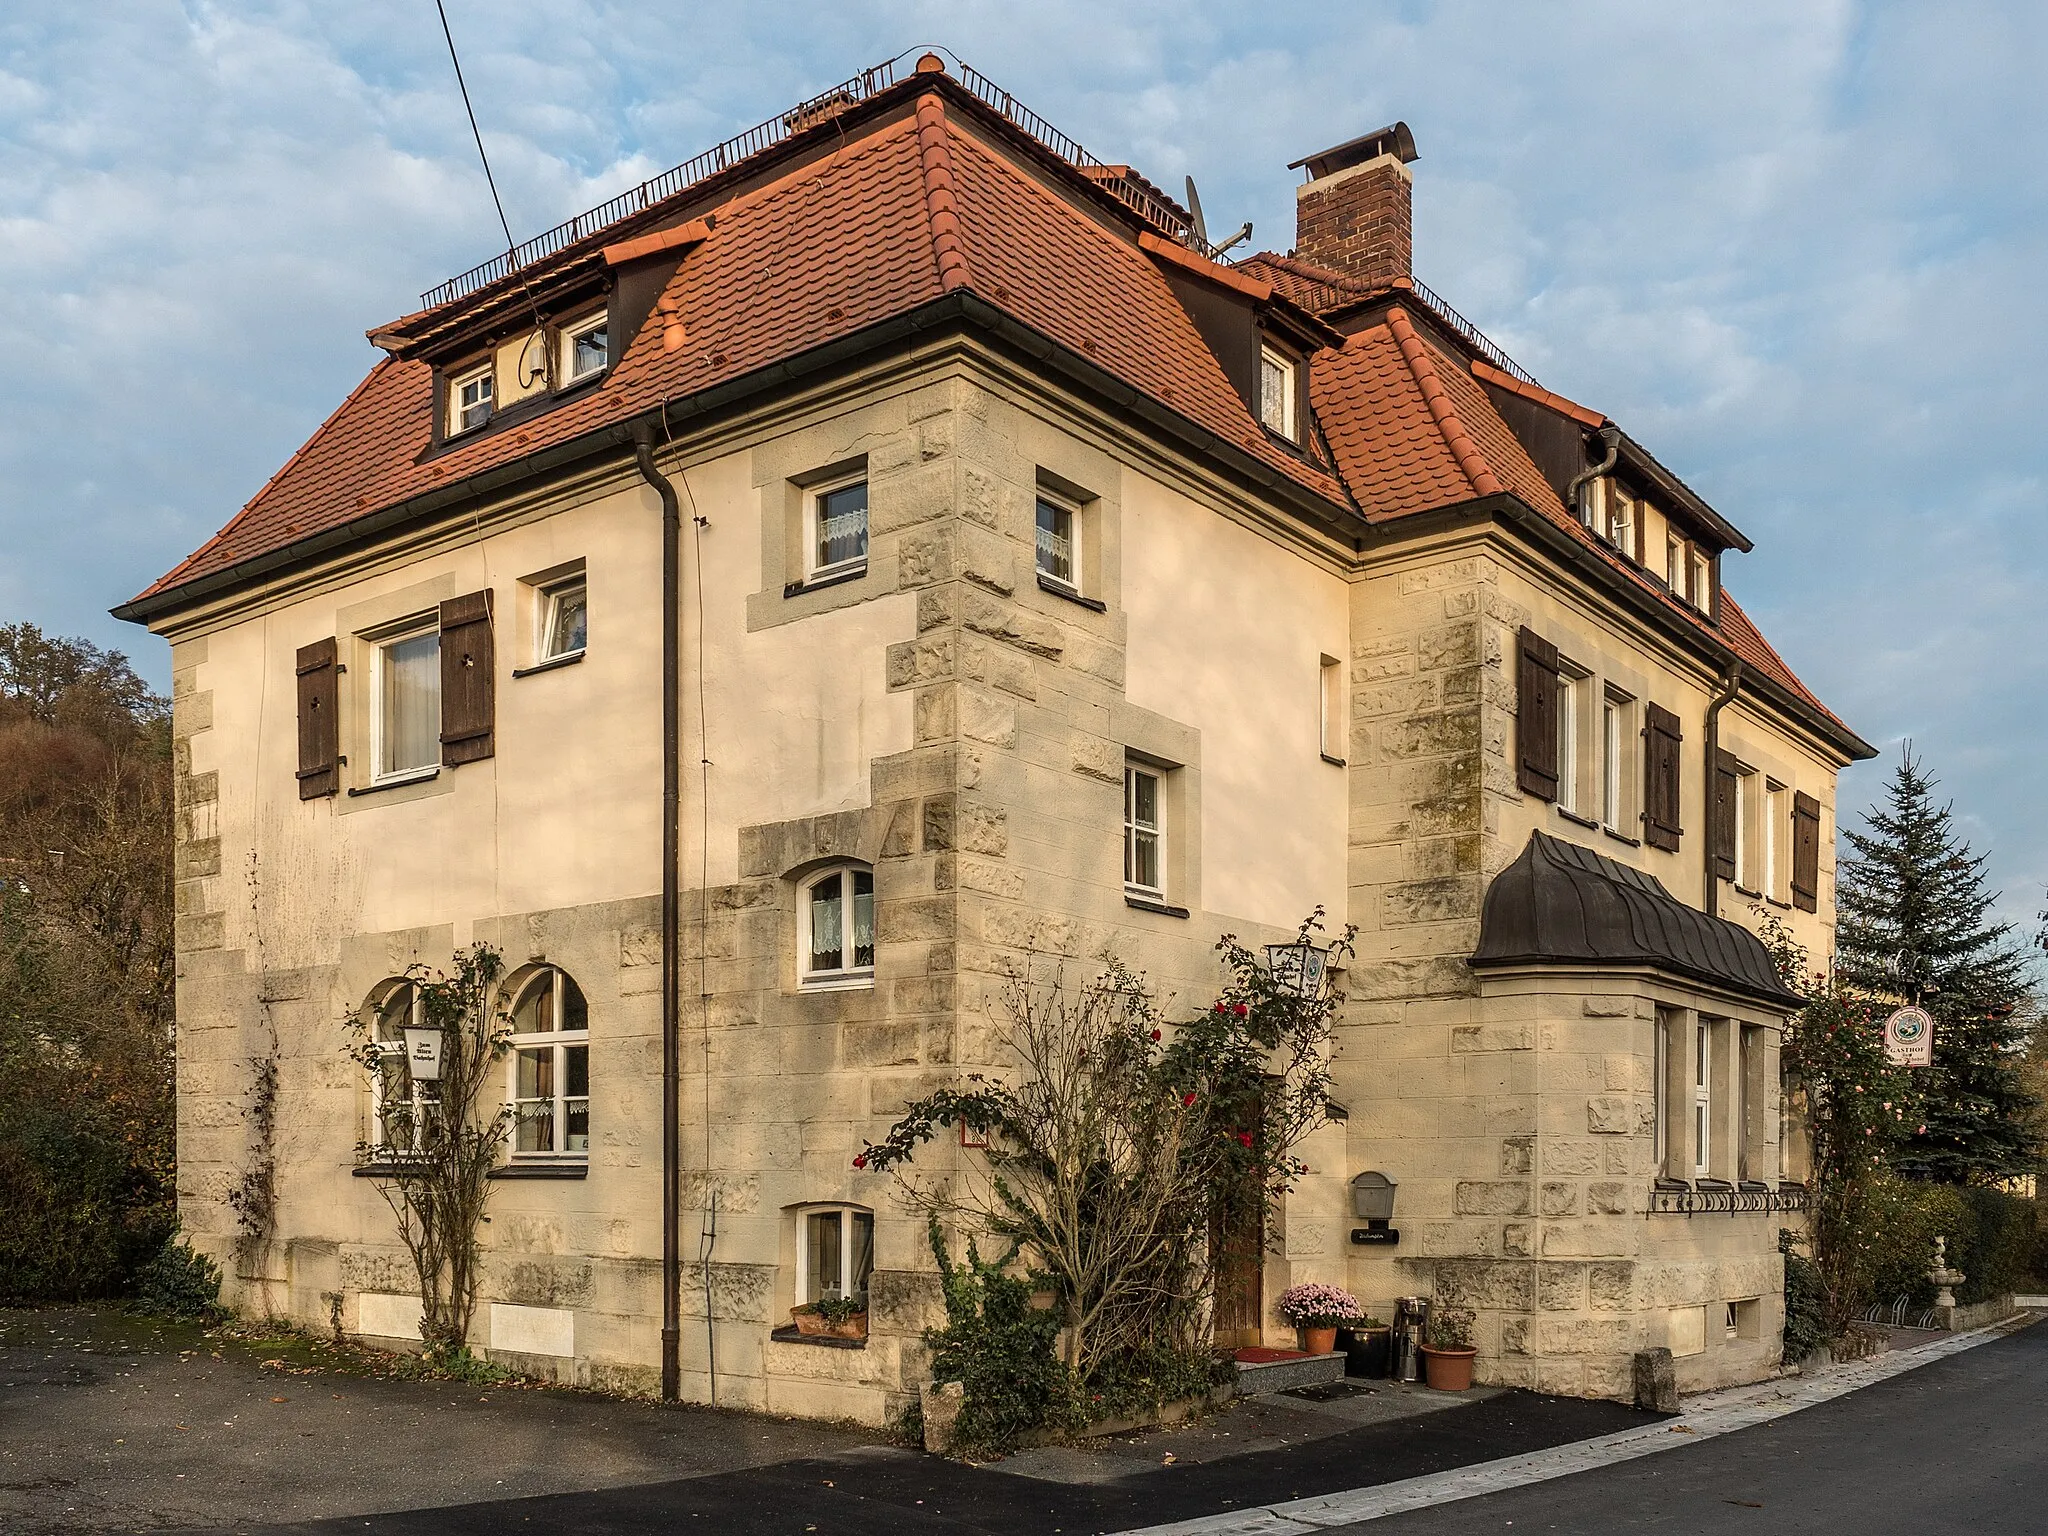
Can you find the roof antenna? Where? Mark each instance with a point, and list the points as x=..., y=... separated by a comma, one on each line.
x=511, y=258
x=1201, y=226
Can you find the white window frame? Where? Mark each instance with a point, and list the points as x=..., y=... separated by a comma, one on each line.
x=1571, y=682
x=1745, y=835
x=1615, y=759
x=385, y=1051
x=814, y=512
x=560, y=1041
x=1040, y=552
x=846, y=1213
x=1660, y=1080
x=1777, y=839
x=1335, y=718
x=574, y=332
x=1702, y=579
x=1677, y=565
x=457, y=383
x=1593, y=503
x=1702, y=1097
x=549, y=599
x=1289, y=427
x=379, y=644
x=845, y=976
x=1135, y=830
x=1621, y=522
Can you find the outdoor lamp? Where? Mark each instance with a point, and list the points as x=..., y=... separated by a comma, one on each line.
x=1298, y=968
x=423, y=1054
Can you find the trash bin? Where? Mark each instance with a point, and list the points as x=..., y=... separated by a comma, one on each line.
x=1368, y=1352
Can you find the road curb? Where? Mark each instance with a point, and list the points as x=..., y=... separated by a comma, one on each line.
x=1704, y=1416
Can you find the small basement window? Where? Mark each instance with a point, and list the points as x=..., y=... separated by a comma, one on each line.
x=469, y=400
x=1277, y=403
x=586, y=348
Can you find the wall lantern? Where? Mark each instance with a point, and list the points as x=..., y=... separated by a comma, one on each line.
x=1298, y=969
x=1372, y=1202
x=423, y=1054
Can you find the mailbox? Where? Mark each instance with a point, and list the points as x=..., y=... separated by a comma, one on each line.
x=1372, y=1202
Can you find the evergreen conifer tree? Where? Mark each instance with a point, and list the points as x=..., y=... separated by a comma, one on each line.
x=1914, y=926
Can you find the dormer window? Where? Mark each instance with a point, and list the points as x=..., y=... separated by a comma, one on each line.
x=1277, y=389
x=586, y=348
x=1702, y=580
x=469, y=400
x=1621, y=521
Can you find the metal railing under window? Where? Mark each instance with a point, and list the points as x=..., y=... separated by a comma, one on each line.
x=1711, y=1197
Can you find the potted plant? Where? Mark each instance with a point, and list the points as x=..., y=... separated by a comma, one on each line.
x=1368, y=1347
x=1317, y=1311
x=1447, y=1353
x=832, y=1317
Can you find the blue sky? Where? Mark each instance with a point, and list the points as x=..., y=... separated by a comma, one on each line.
x=1797, y=249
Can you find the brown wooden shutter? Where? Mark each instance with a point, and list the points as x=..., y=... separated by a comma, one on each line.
x=468, y=679
x=319, y=716
x=1724, y=814
x=1805, y=853
x=1661, y=778
x=1536, y=716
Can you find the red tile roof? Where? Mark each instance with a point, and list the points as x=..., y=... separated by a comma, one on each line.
x=920, y=199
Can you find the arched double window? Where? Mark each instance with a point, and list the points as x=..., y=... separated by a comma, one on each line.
x=549, y=1066
x=835, y=918
x=400, y=1105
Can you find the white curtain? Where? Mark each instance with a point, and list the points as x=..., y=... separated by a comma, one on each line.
x=411, y=703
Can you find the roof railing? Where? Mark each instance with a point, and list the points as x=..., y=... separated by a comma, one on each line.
x=1477, y=338
x=1147, y=204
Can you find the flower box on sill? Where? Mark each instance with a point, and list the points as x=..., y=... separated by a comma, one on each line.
x=812, y=1322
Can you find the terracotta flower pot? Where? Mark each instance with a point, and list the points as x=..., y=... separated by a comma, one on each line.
x=1448, y=1370
x=1318, y=1341
x=815, y=1325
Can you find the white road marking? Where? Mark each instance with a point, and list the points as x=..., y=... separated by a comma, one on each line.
x=1707, y=1415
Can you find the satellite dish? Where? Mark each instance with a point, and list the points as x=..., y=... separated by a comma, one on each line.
x=1200, y=226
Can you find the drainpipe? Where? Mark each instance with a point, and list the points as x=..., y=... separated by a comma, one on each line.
x=1610, y=440
x=1731, y=680
x=671, y=908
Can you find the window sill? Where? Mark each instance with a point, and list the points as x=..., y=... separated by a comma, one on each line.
x=1061, y=589
x=1153, y=904
x=1743, y=890
x=1623, y=837
x=550, y=664
x=861, y=983
x=789, y=1333
x=1782, y=906
x=1334, y=762
x=1578, y=820
x=387, y=1169
x=825, y=579
x=541, y=1170
x=427, y=777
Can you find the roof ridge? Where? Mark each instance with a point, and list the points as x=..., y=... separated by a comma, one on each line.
x=1438, y=399
x=935, y=164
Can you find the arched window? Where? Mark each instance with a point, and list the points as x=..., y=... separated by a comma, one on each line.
x=399, y=1105
x=835, y=917
x=835, y=1252
x=549, y=1068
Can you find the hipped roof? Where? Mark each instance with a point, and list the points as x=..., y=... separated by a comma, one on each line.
x=924, y=193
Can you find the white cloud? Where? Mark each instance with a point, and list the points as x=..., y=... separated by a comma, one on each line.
x=1794, y=248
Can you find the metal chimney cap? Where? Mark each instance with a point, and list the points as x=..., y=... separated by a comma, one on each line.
x=1394, y=139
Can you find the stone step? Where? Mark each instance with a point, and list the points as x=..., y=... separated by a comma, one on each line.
x=1288, y=1369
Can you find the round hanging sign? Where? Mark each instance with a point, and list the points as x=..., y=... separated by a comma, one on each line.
x=1909, y=1038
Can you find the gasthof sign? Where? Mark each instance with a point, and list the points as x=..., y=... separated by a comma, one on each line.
x=1909, y=1038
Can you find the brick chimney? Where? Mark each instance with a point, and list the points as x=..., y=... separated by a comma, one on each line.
x=1354, y=213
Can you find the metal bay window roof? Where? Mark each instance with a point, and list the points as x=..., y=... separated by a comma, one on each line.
x=1560, y=904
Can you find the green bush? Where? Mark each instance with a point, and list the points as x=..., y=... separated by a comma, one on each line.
x=179, y=1282
x=1991, y=1239
x=80, y=1218
x=1000, y=1349
x=1806, y=1322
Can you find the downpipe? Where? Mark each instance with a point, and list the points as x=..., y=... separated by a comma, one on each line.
x=671, y=915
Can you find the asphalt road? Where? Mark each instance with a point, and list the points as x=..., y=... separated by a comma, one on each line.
x=1960, y=1445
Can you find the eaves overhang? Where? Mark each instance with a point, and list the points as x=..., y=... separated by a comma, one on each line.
x=1659, y=614
x=959, y=310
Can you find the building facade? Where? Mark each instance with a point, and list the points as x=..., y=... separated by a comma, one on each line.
x=891, y=557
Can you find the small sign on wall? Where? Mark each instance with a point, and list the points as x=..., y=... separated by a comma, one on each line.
x=1909, y=1038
